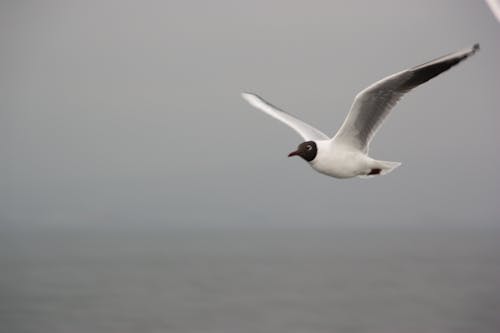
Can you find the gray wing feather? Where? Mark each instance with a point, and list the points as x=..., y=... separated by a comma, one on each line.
x=372, y=105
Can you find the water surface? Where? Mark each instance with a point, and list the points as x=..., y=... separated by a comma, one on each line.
x=250, y=280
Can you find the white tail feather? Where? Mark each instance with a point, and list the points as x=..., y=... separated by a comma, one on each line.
x=384, y=166
x=387, y=166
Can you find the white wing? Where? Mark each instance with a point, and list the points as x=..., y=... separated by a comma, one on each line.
x=372, y=105
x=306, y=131
x=494, y=7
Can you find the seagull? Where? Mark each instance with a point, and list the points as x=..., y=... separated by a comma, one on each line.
x=345, y=155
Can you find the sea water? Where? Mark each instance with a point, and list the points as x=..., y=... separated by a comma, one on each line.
x=237, y=280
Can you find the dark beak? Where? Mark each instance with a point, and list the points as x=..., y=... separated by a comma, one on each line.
x=293, y=153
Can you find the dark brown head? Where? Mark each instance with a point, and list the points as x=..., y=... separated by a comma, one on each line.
x=307, y=150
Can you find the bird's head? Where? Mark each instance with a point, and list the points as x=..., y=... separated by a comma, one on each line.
x=307, y=150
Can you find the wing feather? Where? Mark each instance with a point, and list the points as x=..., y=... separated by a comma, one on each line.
x=306, y=131
x=372, y=105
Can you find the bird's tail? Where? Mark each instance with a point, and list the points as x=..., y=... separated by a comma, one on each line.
x=387, y=166
x=380, y=168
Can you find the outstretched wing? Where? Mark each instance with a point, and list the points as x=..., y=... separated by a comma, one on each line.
x=306, y=131
x=372, y=105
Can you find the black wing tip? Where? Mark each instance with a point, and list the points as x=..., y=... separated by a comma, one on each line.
x=431, y=69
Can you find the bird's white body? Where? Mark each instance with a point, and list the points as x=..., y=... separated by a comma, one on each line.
x=341, y=161
x=346, y=154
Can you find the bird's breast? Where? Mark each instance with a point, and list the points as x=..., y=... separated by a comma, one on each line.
x=338, y=162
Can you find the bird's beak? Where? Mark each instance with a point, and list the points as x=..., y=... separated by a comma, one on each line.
x=293, y=153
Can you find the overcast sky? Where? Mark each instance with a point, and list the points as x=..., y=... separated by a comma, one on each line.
x=129, y=112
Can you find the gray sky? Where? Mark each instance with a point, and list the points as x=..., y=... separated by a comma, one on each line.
x=128, y=112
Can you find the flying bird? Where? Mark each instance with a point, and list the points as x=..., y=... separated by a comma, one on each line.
x=345, y=155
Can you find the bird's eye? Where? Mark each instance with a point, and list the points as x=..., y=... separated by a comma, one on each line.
x=309, y=147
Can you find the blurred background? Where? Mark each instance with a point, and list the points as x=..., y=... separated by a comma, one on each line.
x=140, y=193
